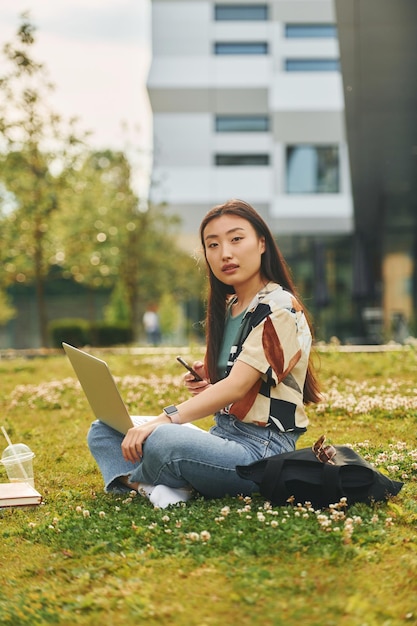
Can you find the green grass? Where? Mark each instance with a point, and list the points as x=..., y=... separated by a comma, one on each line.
x=84, y=557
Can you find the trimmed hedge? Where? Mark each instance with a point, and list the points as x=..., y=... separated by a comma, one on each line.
x=79, y=332
x=106, y=334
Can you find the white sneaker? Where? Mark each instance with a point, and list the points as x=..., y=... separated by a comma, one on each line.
x=162, y=496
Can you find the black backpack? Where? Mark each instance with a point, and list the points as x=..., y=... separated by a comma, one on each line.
x=308, y=476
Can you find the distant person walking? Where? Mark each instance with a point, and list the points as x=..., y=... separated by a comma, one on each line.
x=152, y=328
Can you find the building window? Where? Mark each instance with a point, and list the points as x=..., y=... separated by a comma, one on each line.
x=241, y=159
x=312, y=169
x=310, y=31
x=312, y=65
x=241, y=12
x=242, y=123
x=251, y=47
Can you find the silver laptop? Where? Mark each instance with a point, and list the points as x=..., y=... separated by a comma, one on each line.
x=100, y=389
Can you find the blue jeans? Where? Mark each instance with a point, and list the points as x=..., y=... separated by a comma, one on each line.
x=178, y=456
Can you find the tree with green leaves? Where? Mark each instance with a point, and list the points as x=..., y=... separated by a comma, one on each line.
x=110, y=241
x=71, y=212
x=37, y=150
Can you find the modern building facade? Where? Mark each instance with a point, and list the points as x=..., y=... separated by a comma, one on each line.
x=247, y=102
x=378, y=45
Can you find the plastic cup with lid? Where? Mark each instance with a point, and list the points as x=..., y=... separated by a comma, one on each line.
x=18, y=461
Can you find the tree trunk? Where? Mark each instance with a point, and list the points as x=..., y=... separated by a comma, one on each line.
x=40, y=289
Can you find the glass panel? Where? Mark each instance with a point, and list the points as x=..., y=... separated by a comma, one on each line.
x=241, y=48
x=252, y=12
x=310, y=30
x=241, y=123
x=312, y=65
x=312, y=169
x=242, y=159
x=336, y=319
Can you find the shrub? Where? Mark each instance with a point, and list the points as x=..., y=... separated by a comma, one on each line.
x=110, y=334
x=79, y=332
x=75, y=331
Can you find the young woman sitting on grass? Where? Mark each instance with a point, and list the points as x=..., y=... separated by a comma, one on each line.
x=256, y=378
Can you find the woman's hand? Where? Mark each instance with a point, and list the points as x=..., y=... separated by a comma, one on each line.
x=197, y=386
x=132, y=444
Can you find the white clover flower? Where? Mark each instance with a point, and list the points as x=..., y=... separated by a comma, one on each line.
x=193, y=536
x=86, y=513
x=347, y=534
x=79, y=509
x=166, y=518
x=324, y=521
x=102, y=514
x=260, y=516
x=274, y=523
x=205, y=535
x=225, y=511
x=396, y=457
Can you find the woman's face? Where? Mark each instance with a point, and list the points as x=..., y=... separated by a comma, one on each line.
x=234, y=250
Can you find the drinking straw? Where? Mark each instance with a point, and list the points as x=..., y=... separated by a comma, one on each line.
x=14, y=453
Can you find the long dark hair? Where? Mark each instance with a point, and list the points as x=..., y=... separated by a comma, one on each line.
x=273, y=268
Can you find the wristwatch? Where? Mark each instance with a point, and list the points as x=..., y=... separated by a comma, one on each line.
x=172, y=412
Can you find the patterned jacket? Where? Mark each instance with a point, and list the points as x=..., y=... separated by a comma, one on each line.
x=275, y=339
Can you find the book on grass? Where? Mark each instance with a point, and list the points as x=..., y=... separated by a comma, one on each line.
x=18, y=494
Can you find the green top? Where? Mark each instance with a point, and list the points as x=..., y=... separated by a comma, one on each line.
x=230, y=332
